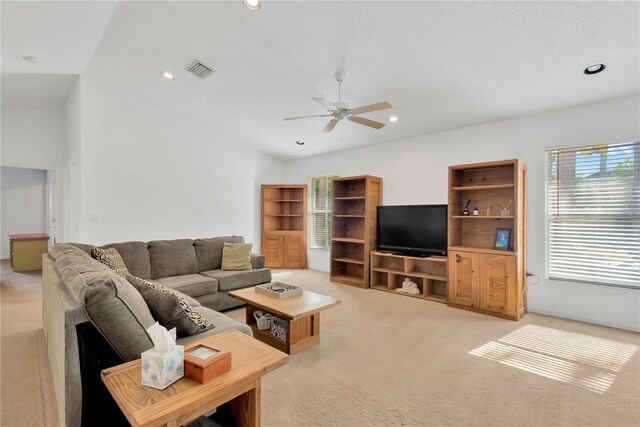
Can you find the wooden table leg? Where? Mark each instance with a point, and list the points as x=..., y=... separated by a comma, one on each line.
x=303, y=333
x=245, y=409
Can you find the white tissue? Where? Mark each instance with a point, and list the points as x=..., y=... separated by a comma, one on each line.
x=163, y=340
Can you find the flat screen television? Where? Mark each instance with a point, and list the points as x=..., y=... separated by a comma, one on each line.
x=419, y=230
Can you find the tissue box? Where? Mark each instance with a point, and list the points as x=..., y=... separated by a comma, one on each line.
x=160, y=370
x=203, y=362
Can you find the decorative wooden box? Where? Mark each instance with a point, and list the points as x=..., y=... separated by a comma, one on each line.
x=203, y=362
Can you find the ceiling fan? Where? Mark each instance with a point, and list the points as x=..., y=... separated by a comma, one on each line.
x=340, y=110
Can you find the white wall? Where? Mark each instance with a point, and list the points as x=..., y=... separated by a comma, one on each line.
x=32, y=138
x=23, y=203
x=147, y=173
x=68, y=176
x=415, y=171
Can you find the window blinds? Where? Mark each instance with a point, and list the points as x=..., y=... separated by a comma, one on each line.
x=320, y=211
x=593, y=214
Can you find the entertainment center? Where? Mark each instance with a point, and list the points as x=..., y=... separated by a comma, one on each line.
x=484, y=266
x=468, y=254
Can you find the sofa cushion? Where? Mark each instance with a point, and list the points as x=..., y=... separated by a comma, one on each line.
x=222, y=322
x=230, y=280
x=120, y=314
x=114, y=306
x=209, y=251
x=257, y=261
x=86, y=248
x=172, y=258
x=71, y=263
x=170, y=308
x=194, y=285
x=135, y=256
x=236, y=256
x=112, y=259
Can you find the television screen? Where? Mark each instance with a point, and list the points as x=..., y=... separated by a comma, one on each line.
x=413, y=230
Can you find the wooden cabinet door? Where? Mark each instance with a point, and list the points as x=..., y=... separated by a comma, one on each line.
x=273, y=250
x=294, y=252
x=463, y=279
x=497, y=283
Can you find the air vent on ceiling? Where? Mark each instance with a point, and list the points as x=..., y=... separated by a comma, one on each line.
x=199, y=69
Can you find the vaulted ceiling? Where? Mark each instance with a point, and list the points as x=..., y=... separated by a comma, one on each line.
x=441, y=65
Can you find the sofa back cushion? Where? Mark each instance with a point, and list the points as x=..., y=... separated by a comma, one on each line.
x=135, y=256
x=209, y=251
x=114, y=306
x=85, y=248
x=172, y=258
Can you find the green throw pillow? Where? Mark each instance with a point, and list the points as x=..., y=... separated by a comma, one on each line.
x=236, y=256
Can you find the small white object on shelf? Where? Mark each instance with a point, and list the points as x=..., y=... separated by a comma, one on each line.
x=278, y=290
x=409, y=287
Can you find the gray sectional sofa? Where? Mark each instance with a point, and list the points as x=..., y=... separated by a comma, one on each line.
x=93, y=318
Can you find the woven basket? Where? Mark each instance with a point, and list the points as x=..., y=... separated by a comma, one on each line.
x=262, y=320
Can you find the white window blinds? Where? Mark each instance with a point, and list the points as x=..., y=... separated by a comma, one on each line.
x=593, y=214
x=320, y=211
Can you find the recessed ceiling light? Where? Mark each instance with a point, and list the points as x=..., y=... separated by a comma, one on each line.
x=594, y=69
x=393, y=119
x=254, y=5
x=31, y=59
x=168, y=75
x=300, y=142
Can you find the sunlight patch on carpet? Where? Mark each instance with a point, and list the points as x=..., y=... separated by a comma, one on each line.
x=588, y=362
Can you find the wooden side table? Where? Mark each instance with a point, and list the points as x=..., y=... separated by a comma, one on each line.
x=236, y=393
x=27, y=250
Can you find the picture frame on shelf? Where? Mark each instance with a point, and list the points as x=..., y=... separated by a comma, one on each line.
x=502, y=239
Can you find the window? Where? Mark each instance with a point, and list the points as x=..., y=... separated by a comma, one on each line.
x=320, y=211
x=593, y=214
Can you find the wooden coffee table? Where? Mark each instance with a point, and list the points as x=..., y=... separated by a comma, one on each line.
x=302, y=313
x=235, y=394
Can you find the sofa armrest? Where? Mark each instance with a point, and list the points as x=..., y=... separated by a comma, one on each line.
x=257, y=261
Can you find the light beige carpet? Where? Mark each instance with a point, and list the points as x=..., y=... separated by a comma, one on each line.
x=25, y=382
x=387, y=360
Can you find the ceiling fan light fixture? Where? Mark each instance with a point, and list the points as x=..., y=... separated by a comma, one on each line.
x=594, y=69
x=167, y=75
x=393, y=119
x=254, y=5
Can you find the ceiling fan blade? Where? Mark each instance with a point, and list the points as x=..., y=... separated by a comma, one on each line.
x=373, y=107
x=306, y=117
x=366, y=122
x=326, y=104
x=329, y=127
x=341, y=105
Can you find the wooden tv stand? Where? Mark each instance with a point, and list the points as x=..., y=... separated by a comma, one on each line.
x=388, y=271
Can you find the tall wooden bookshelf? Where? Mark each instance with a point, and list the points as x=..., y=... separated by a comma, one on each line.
x=284, y=226
x=353, y=229
x=482, y=278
